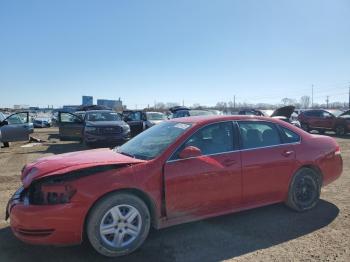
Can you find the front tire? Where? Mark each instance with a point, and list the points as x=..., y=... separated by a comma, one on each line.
x=305, y=127
x=304, y=190
x=118, y=224
x=340, y=130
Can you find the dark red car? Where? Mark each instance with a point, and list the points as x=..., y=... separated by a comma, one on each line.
x=178, y=171
x=323, y=120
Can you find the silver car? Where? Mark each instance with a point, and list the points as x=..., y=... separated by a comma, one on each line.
x=15, y=127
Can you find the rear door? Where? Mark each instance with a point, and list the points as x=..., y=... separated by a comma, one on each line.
x=70, y=126
x=267, y=163
x=210, y=183
x=16, y=127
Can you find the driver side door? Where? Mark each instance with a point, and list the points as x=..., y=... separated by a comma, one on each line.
x=70, y=126
x=209, y=183
x=16, y=127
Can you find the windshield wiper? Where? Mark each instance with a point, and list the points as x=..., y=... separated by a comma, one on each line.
x=127, y=154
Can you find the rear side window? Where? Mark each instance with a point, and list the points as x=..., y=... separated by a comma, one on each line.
x=313, y=113
x=290, y=136
x=258, y=134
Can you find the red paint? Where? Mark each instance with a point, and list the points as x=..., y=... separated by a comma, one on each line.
x=180, y=191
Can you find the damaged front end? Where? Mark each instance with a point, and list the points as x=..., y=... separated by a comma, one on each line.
x=55, y=189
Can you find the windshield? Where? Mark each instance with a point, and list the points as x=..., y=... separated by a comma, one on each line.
x=152, y=142
x=102, y=116
x=155, y=116
x=336, y=113
x=2, y=117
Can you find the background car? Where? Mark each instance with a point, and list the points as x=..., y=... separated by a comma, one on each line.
x=94, y=128
x=283, y=113
x=136, y=119
x=42, y=122
x=15, y=127
x=322, y=120
x=192, y=112
x=154, y=118
x=178, y=171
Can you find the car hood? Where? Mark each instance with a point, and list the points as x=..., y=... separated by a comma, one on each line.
x=64, y=163
x=105, y=123
x=285, y=111
x=346, y=114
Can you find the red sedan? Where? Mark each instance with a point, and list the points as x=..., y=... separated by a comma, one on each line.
x=178, y=171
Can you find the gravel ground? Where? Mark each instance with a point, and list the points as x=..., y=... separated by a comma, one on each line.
x=272, y=233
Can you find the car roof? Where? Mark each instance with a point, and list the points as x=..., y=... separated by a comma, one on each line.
x=215, y=118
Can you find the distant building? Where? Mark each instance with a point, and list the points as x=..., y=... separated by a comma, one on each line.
x=21, y=107
x=88, y=100
x=112, y=104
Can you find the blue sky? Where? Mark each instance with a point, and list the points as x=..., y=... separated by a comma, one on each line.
x=202, y=51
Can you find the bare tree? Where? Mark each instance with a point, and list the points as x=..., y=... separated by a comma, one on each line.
x=288, y=101
x=305, y=101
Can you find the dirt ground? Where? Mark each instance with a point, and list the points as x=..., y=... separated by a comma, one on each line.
x=264, y=234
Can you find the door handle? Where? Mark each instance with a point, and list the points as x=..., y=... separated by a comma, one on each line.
x=287, y=153
x=229, y=162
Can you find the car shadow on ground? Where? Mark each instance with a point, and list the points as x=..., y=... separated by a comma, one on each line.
x=213, y=239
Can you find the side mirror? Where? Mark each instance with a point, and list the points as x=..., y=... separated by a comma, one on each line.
x=4, y=123
x=190, y=151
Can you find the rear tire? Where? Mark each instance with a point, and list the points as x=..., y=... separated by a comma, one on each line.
x=304, y=190
x=118, y=224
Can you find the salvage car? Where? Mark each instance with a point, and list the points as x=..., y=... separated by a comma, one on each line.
x=94, y=128
x=42, y=122
x=15, y=127
x=154, y=118
x=284, y=113
x=323, y=120
x=178, y=171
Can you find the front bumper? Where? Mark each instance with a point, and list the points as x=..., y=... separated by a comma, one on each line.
x=45, y=224
x=113, y=139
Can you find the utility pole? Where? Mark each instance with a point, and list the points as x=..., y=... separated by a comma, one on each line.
x=327, y=100
x=234, y=102
x=349, y=96
x=183, y=102
x=312, y=96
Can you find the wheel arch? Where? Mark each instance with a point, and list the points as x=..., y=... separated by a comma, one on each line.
x=150, y=203
x=310, y=166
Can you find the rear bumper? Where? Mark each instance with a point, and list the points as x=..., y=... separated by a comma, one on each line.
x=46, y=224
x=332, y=170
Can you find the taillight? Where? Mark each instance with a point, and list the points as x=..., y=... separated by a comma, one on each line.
x=57, y=193
x=337, y=150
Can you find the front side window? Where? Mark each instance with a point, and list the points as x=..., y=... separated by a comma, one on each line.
x=256, y=134
x=212, y=139
x=19, y=118
x=152, y=142
x=69, y=118
x=326, y=114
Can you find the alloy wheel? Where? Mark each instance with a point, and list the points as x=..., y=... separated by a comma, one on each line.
x=120, y=226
